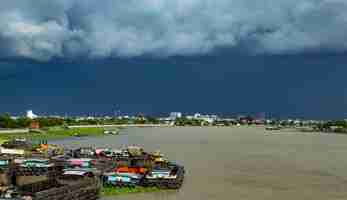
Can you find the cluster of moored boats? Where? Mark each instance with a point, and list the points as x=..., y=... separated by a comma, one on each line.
x=47, y=171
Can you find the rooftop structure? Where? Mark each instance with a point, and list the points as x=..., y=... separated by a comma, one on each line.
x=31, y=115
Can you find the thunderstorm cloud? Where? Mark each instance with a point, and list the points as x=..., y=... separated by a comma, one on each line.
x=45, y=29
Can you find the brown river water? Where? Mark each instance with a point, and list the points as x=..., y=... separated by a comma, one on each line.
x=242, y=163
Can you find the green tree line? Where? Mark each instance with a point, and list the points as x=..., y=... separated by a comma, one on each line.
x=6, y=121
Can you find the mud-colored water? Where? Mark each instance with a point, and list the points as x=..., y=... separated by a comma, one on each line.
x=243, y=163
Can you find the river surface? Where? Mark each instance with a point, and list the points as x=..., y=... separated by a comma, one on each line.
x=242, y=163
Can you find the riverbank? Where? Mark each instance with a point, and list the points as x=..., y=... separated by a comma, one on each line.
x=54, y=133
x=112, y=191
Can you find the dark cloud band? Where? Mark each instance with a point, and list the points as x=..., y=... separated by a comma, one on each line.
x=44, y=29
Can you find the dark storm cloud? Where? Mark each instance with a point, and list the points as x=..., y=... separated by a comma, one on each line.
x=42, y=29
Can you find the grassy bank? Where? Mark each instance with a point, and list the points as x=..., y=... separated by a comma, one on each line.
x=54, y=133
x=112, y=191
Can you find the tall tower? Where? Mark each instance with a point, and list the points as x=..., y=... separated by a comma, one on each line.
x=31, y=115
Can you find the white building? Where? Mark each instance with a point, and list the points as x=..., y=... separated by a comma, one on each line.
x=197, y=115
x=31, y=115
x=175, y=115
x=207, y=118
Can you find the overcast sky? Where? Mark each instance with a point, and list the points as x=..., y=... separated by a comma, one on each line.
x=44, y=29
x=281, y=57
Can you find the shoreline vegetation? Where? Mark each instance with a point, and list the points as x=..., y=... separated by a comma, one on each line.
x=62, y=132
x=59, y=133
x=54, y=133
x=329, y=127
x=113, y=191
